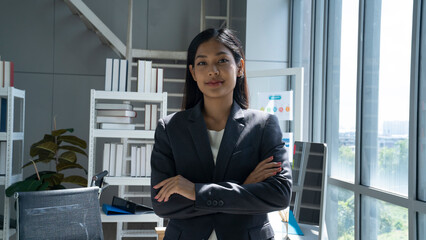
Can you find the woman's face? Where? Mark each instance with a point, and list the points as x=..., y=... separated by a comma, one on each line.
x=215, y=70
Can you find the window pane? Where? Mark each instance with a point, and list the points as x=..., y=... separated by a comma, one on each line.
x=342, y=66
x=422, y=226
x=421, y=169
x=386, y=93
x=382, y=220
x=341, y=228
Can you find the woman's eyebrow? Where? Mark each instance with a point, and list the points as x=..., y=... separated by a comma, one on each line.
x=217, y=54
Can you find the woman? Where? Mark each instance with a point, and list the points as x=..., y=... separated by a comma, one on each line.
x=218, y=168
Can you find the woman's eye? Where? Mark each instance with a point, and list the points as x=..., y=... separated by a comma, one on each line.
x=223, y=60
x=201, y=63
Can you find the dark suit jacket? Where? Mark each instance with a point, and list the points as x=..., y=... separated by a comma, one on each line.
x=222, y=203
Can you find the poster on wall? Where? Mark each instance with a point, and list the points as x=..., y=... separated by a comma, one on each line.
x=277, y=103
x=289, y=145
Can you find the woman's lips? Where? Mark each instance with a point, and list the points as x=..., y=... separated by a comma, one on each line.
x=214, y=83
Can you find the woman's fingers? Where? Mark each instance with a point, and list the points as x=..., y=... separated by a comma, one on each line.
x=177, y=184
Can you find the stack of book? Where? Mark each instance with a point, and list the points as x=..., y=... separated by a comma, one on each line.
x=113, y=159
x=150, y=80
x=116, y=75
x=140, y=160
x=115, y=116
x=6, y=74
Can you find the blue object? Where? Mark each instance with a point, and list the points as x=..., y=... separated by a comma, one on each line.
x=3, y=115
x=111, y=210
x=293, y=226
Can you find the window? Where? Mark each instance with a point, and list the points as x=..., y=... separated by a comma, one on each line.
x=375, y=119
x=342, y=82
x=386, y=95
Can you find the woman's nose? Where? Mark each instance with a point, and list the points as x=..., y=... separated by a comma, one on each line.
x=213, y=71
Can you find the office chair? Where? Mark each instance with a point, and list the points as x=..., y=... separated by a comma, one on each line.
x=59, y=214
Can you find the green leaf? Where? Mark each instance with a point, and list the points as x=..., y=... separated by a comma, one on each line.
x=34, y=150
x=44, y=186
x=61, y=131
x=74, y=149
x=67, y=165
x=42, y=174
x=45, y=160
x=54, y=179
x=49, y=146
x=68, y=156
x=76, y=180
x=74, y=140
x=23, y=186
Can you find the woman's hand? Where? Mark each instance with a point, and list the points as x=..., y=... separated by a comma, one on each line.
x=177, y=184
x=263, y=170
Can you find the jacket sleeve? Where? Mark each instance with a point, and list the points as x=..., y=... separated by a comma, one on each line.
x=270, y=195
x=163, y=167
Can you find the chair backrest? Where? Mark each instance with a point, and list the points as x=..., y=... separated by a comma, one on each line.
x=59, y=214
x=309, y=166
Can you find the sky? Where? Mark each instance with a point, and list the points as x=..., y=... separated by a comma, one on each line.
x=395, y=62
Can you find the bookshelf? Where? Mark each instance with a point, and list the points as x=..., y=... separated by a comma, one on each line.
x=14, y=133
x=126, y=137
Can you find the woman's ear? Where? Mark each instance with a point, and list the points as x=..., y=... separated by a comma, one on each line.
x=240, y=72
x=191, y=69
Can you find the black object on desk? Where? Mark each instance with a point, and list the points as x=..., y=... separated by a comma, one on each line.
x=130, y=206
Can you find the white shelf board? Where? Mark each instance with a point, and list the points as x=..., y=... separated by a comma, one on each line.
x=136, y=194
x=128, y=181
x=15, y=136
x=148, y=217
x=139, y=233
x=130, y=96
x=13, y=179
x=102, y=133
x=12, y=232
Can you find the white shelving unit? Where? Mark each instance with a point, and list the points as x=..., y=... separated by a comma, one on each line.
x=10, y=136
x=127, y=137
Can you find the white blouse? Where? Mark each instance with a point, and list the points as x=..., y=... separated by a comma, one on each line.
x=215, y=138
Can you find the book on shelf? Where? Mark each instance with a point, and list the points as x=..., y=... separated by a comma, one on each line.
x=115, y=74
x=148, y=160
x=160, y=80
x=3, y=114
x=138, y=162
x=112, y=155
x=111, y=210
x=117, y=126
x=2, y=158
x=123, y=76
x=147, y=116
x=142, y=156
x=133, y=151
x=103, y=119
x=108, y=74
x=153, y=80
x=144, y=73
x=106, y=157
x=116, y=113
x=154, y=114
x=147, y=76
x=7, y=79
x=119, y=160
x=113, y=106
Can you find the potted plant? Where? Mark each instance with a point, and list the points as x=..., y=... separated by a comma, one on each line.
x=62, y=150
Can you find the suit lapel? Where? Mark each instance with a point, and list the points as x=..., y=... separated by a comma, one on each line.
x=197, y=128
x=233, y=129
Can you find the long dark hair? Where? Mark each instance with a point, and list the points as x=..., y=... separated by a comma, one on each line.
x=192, y=94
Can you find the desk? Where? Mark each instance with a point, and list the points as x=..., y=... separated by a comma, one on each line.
x=311, y=231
